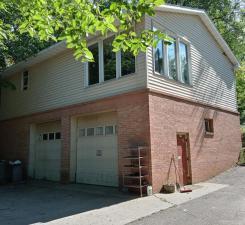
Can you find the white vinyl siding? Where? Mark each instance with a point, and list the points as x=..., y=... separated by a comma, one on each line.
x=212, y=75
x=60, y=81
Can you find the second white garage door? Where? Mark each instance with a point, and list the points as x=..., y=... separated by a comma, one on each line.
x=97, y=154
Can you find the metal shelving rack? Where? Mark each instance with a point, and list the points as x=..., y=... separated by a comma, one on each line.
x=135, y=174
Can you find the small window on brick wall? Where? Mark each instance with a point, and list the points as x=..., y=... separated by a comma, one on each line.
x=209, y=126
x=25, y=80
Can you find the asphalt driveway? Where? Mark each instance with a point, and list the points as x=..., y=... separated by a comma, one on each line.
x=220, y=201
x=223, y=207
x=41, y=202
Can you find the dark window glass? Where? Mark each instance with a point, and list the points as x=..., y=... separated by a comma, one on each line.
x=184, y=73
x=90, y=131
x=57, y=135
x=93, y=67
x=127, y=63
x=172, y=68
x=158, y=57
x=209, y=125
x=25, y=80
x=109, y=60
x=51, y=136
x=45, y=137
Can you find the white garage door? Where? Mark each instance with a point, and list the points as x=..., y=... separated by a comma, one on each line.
x=48, y=152
x=97, y=154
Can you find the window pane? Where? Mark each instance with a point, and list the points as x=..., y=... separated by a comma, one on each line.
x=45, y=137
x=109, y=60
x=25, y=80
x=57, y=135
x=82, y=132
x=99, y=131
x=172, y=68
x=127, y=63
x=184, y=73
x=158, y=56
x=93, y=67
x=108, y=130
x=51, y=136
x=209, y=125
x=90, y=131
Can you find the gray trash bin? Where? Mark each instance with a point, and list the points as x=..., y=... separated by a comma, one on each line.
x=16, y=171
x=3, y=171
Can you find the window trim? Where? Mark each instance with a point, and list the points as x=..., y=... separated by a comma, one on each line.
x=156, y=26
x=101, y=64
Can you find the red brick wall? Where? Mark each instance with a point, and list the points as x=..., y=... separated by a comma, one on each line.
x=133, y=127
x=209, y=156
x=143, y=118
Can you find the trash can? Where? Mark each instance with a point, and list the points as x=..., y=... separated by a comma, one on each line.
x=16, y=171
x=3, y=171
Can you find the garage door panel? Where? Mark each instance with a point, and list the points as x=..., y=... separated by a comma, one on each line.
x=97, y=156
x=47, y=152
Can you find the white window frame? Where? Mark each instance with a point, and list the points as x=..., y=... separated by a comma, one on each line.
x=25, y=87
x=101, y=65
x=178, y=39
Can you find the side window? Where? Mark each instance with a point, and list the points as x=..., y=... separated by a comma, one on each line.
x=93, y=67
x=172, y=59
x=158, y=58
x=209, y=126
x=107, y=64
x=172, y=65
x=109, y=60
x=127, y=63
x=25, y=80
x=183, y=57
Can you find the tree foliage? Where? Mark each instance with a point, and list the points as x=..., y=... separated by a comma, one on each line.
x=241, y=92
x=76, y=20
x=15, y=46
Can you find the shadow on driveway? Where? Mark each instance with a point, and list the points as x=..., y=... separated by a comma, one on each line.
x=40, y=202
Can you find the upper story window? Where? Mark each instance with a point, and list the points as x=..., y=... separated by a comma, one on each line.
x=172, y=60
x=172, y=64
x=109, y=59
x=127, y=63
x=183, y=55
x=25, y=80
x=158, y=56
x=93, y=67
x=107, y=64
